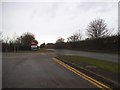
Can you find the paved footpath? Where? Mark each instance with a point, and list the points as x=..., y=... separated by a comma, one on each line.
x=33, y=70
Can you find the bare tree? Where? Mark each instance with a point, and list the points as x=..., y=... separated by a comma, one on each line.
x=15, y=36
x=6, y=43
x=1, y=36
x=97, y=29
x=75, y=37
x=0, y=41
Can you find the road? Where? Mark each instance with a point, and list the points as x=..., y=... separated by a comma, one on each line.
x=101, y=56
x=34, y=70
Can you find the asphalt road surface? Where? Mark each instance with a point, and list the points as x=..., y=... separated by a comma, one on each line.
x=34, y=70
x=101, y=56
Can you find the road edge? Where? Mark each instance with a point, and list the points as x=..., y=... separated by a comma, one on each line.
x=97, y=77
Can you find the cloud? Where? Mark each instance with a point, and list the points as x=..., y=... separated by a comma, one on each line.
x=50, y=20
x=102, y=7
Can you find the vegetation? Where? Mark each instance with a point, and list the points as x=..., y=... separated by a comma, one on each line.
x=97, y=29
x=59, y=43
x=42, y=45
x=110, y=66
x=42, y=50
x=75, y=37
x=0, y=36
x=18, y=43
x=106, y=44
x=60, y=40
x=98, y=39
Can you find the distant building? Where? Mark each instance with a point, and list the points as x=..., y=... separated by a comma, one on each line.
x=34, y=45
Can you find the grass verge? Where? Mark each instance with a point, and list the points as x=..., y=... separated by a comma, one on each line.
x=42, y=50
x=110, y=66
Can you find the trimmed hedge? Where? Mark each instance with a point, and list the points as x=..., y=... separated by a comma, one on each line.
x=100, y=44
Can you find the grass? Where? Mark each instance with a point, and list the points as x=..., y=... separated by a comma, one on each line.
x=110, y=66
x=42, y=50
x=100, y=51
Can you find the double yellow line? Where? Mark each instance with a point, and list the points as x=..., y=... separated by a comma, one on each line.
x=93, y=81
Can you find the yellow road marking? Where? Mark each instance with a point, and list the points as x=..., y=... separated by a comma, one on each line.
x=93, y=81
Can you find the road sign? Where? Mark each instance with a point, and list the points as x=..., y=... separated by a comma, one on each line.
x=34, y=43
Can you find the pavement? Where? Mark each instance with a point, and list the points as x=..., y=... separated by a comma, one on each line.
x=34, y=70
x=96, y=55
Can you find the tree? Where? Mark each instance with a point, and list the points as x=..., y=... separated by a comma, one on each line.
x=59, y=43
x=42, y=45
x=27, y=38
x=118, y=31
x=97, y=29
x=1, y=36
x=15, y=42
x=22, y=42
x=75, y=37
x=0, y=41
x=6, y=43
x=49, y=45
x=60, y=40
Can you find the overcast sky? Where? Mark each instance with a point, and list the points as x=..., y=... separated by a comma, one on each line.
x=50, y=20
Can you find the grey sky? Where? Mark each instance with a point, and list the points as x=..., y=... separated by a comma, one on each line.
x=51, y=20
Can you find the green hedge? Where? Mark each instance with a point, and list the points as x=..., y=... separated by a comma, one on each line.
x=103, y=44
